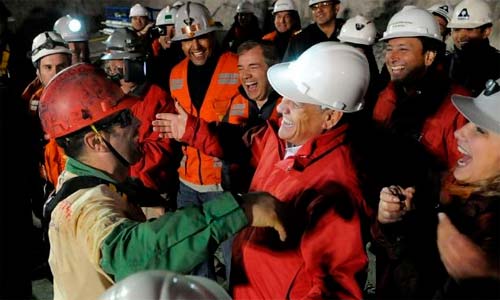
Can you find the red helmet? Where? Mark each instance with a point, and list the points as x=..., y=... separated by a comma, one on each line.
x=79, y=96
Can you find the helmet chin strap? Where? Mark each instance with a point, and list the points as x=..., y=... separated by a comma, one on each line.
x=120, y=158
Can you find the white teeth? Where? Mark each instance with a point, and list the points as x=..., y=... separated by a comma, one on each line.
x=461, y=162
x=462, y=150
x=398, y=68
x=286, y=122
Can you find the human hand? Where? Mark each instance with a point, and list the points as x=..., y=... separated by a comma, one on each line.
x=262, y=211
x=390, y=207
x=171, y=125
x=461, y=257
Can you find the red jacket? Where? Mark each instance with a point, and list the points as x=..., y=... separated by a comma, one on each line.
x=322, y=259
x=157, y=168
x=437, y=133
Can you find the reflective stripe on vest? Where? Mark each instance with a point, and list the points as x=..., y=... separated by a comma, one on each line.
x=227, y=78
x=176, y=84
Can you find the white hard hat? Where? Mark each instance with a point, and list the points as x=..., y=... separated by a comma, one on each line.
x=484, y=110
x=442, y=9
x=412, y=21
x=123, y=43
x=284, y=5
x=165, y=285
x=71, y=29
x=358, y=30
x=471, y=14
x=166, y=16
x=329, y=74
x=138, y=11
x=244, y=7
x=192, y=20
x=312, y=2
x=48, y=43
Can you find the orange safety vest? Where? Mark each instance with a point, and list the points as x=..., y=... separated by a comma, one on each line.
x=196, y=167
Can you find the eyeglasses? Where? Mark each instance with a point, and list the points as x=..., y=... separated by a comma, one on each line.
x=48, y=44
x=321, y=5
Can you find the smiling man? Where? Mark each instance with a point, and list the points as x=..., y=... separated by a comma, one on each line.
x=203, y=84
x=326, y=27
x=416, y=103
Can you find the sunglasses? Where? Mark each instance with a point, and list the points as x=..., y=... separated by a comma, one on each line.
x=321, y=5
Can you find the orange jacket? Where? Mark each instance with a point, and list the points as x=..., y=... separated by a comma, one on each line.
x=243, y=110
x=32, y=95
x=196, y=167
x=54, y=161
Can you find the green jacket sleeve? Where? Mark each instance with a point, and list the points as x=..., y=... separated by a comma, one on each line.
x=177, y=241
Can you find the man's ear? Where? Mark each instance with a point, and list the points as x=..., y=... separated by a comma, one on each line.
x=94, y=141
x=331, y=118
x=429, y=57
x=487, y=32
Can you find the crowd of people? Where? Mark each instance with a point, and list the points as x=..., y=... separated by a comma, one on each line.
x=291, y=151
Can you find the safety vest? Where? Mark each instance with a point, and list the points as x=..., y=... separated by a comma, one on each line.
x=239, y=111
x=196, y=167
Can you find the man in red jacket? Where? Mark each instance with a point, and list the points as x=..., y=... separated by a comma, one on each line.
x=307, y=164
x=416, y=103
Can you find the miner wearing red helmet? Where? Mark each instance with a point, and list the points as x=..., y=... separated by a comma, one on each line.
x=97, y=230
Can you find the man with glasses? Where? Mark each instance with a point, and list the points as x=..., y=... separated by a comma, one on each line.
x=98, y=233
x=326, y=27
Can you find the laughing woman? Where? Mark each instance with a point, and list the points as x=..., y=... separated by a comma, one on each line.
x=468, y=231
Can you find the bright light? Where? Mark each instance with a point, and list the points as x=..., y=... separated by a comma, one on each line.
x=75, y=25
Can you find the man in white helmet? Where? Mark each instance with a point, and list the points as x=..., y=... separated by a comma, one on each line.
x=286, y=24
x=473, y=60
x=361, y=33
x=74, y=32
x=298, y=160
x=165, y=53
x=139, y=18
x=245, y=27
x=326, y=27
x=203, y=84
x=415, y=107
x=442, y=13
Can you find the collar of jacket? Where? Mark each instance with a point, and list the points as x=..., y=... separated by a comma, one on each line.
x=315, y=149
x=78, y=168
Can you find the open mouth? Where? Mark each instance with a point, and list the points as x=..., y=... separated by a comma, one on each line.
x=397, y=69
x=466, y=157
x=286, y=123
x=251, y=86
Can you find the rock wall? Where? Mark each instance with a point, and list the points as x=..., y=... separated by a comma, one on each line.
x=34, y=16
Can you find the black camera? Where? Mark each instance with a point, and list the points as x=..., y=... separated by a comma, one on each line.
x=134, y=70
x=157, y=31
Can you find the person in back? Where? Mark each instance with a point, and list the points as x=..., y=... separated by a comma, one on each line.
x=244, y=28
x=286, y=24
x=473, y=60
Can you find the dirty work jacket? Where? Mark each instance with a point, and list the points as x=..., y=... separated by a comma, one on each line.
x=97, y=237
x=196, y=167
